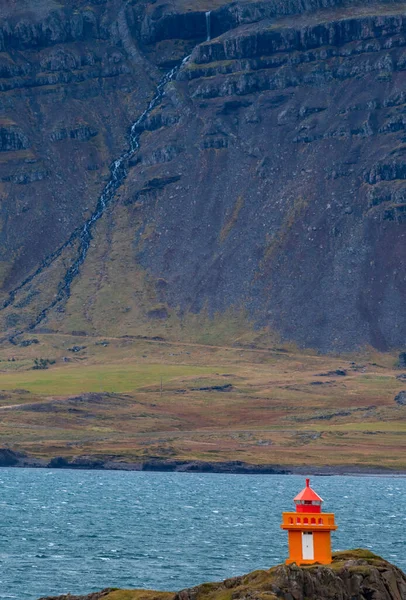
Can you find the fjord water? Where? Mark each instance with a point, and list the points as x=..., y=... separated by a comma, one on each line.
x=79, y=531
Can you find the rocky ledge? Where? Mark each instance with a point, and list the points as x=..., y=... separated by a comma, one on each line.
x=353, y=575
x=10, y=458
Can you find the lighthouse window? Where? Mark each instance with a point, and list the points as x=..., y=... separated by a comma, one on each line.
x=290, y=520
x=298, y=520
x=320, y=521
x=305, y=520
x=313, y=520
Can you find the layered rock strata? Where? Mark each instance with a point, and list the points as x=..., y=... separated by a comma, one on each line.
x=269, y=178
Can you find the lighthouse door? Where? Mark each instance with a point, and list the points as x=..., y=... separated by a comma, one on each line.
x=307, y=545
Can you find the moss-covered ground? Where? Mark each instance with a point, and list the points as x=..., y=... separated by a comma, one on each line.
x=270, y=584
x=132, y=399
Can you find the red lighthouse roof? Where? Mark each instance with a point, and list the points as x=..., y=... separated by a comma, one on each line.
x=307, y=495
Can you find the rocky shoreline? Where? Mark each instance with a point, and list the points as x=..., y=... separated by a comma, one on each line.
x=10, y=458
x=353, y=575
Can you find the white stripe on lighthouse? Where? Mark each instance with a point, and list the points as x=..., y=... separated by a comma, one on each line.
x=307, y=545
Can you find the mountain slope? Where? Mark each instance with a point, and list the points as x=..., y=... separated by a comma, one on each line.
x=268, y=188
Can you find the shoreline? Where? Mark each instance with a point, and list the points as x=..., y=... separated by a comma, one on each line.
x=368, y=575
x=12, y=459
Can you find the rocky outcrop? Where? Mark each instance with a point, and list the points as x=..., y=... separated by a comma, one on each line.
x=353, y=575
x=332, y=36
x=12, y=139
x=400, y=398
x=356, y=575
x=158, y=21
x=9, y=458
x=22, y=31
x=83, y=133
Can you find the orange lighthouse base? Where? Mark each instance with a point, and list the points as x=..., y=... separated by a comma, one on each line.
x=309, y=541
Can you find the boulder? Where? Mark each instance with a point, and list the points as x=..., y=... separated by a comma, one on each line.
x=401, y=398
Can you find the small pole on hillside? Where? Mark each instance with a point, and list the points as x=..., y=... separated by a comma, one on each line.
x=161, y=387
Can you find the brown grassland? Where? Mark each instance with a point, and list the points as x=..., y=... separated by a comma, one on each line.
x=130, y=400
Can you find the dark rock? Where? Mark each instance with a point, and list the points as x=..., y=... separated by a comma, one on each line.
x=402, y=360
x=80, y=462
x=160, y=465
x=210, y=467
x=58, y=463
x=227, y=387
x=160, y=313
x=354, y=575
x=12, y=139
x=395, y=213
x=82, y=134
x=84, y=462
x=339, y=372
x=30, y=342
x=26, y=177
x=400, y=398
x=8, y=458
x=327, y=417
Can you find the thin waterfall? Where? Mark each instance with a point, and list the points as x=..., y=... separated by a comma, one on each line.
x=118, y=173
x=208, y=25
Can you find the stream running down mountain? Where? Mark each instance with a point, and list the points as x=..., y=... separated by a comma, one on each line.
x=118, y=173
x=83, y=233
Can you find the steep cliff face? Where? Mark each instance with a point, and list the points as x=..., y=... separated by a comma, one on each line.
x=354, y=575
x=270, y=176
x=296, y=136
x=65, y=103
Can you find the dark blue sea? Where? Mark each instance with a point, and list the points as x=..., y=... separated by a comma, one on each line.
x=80, y=531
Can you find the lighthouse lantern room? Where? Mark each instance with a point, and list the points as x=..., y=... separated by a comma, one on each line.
x=309, y=529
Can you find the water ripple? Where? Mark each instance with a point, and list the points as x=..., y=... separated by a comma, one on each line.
x=171, y=530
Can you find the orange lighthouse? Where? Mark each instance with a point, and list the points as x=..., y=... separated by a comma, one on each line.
x=309, y=530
